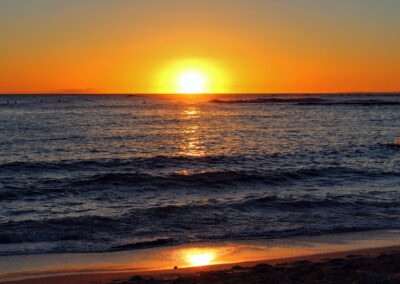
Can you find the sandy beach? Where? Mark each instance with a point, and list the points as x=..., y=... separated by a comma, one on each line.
x=350, y=257
x=374, y=265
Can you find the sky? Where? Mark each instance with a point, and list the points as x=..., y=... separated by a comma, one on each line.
x=239, y=46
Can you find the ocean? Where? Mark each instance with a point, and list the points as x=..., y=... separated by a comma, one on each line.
x=98, y=173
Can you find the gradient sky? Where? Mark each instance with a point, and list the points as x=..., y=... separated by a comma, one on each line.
x=123, y=46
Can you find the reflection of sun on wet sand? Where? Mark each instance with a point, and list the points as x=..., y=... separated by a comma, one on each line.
x=368, y=266
x=201, y=259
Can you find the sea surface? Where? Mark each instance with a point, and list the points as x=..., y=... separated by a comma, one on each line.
x=95, y=173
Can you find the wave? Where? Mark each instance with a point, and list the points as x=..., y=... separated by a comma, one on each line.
x=162, y=162
x=144, y=244
x=146, y=162
x=306, y=101
x=269, y=100
x=214, y=220
x=203, y=180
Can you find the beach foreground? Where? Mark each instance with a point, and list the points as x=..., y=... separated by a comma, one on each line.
x=374, y=265
x=160, y=262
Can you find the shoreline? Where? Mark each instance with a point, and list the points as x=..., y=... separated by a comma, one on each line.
x=159, y=262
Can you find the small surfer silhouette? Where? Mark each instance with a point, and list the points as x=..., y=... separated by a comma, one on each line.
x=397, y=141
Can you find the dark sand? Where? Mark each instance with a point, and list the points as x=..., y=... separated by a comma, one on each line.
x=379, y=265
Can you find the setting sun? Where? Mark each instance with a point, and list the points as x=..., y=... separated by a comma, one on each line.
x=192, y=82
x=192, y=76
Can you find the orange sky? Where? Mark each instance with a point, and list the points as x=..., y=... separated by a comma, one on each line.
x=121, y=46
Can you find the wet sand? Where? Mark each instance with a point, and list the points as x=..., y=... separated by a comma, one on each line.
x=373, y=265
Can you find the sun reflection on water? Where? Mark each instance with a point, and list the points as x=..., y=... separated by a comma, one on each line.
x=192, y=144
x=191, y=111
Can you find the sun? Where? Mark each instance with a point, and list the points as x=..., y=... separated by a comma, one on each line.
x=191, y=76
x=192, y=82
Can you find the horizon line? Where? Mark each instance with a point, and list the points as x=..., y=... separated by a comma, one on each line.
x=199, y=94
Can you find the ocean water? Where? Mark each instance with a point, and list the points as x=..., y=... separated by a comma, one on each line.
x=86, y=173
